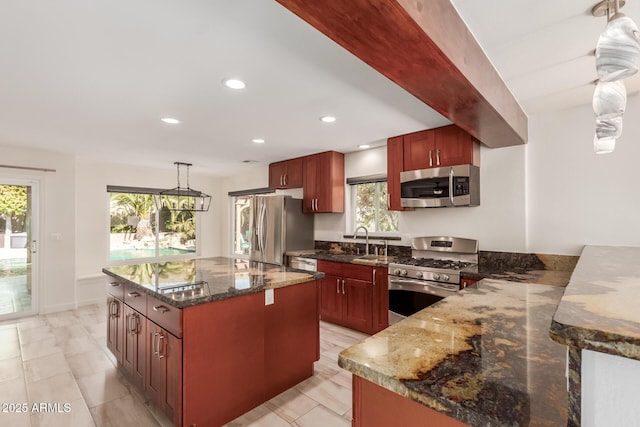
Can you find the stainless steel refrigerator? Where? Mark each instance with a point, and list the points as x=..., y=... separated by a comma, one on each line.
x=277, y=226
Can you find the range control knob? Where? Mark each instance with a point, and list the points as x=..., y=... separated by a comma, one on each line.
x=445, y=278
x=436, y=276
x=396, y=271
x=403, y=272
x=419, y=274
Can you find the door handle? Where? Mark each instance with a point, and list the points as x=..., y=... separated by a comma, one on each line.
x=337, y=286
x=437, y=157
x=34, y=247
x=451, y=179
x=430, y=159
x=133, y=294
x=374, y=277
x=161, y=308
x=284, y=179
x=343, y=292
x=160, y=346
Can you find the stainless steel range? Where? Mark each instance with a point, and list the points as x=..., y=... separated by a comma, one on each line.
x=432, y=273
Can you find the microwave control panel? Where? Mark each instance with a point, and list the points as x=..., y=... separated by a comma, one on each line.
x=461, y=186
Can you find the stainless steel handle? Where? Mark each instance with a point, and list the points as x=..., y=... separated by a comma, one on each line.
x=374, y=277
x=430, y=159
x=343, y=292
x=161, y=308
x=115, y=308
x=154, y=344
x=451, y=177
x=388, y=199
x=281, y=183
x=263, y=213
x=160, y=354
x=133, y=294
x=284, y=179
x=337, y=286
x=114, y=284
x=437, y=157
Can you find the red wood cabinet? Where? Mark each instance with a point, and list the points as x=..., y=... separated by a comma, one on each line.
x=163, y=385
x=395, y=165
x=468, y=281
x=380, y=299
x=291, y=340
x=375, y=406
x=134, y=350
x=286, y=174
x=323, y=182
x=115, y=322
x=355, y=296
x=444, y=146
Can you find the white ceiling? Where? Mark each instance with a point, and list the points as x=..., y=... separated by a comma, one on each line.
x=94, y=78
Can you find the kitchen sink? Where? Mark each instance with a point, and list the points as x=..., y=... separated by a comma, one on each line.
x=372, y=259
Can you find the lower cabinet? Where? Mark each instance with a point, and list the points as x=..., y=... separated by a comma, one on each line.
x=115, y=323
x=134, y=350
x=207, y=364
x=355, y=296
x=163, y=383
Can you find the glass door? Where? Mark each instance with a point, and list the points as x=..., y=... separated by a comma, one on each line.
x=18, y=247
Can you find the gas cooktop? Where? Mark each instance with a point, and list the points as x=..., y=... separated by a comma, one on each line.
x=434, y=263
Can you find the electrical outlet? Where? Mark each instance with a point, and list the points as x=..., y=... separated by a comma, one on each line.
x=268, y=297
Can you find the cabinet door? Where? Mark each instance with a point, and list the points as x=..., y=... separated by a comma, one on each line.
x=276, y=174
x=134, y=350
x=419, y=150
x=395, y=165
x=310, y=184
x=454, y=146
x=171, y=353
x=156, y=378
x=293, y=173
x=357, y=304
x=331, y=298
x=380, y=299
x=115, y=327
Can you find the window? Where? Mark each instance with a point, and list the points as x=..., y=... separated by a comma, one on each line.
x=369, y=202
x=138, y=230
x=241, y=238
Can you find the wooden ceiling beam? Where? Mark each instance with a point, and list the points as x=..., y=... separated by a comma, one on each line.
x=426, y=48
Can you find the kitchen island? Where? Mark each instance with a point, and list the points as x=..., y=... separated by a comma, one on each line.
x=206, y=340
x=482, y=357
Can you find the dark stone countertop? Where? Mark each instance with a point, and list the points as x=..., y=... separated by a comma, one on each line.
x=482, y=356
x=223, y=278
x=600, y=309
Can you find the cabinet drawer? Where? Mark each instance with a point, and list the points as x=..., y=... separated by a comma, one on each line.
x=165, y=315
x=115, y=288
x=360, y=272
x=330, y=267
x=135, y=299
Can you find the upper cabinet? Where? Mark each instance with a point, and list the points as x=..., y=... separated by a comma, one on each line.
x=286, y=174
x=323, y=182
x=395, y=165
x=445, y=146
x=433, y=148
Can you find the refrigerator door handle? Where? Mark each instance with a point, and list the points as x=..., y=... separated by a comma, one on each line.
x=263, y=213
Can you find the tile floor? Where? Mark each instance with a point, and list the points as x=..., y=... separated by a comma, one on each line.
x=61, y=358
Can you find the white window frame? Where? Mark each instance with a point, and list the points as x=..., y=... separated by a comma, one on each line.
x=353, y=205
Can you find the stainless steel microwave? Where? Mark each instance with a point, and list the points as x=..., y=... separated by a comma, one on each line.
x=440, y=187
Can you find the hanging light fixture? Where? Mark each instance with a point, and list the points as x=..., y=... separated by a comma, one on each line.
x=183, y=198
x=618, y=48
x=609, y=99
x=603, y=145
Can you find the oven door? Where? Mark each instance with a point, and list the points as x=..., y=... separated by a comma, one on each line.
x=409, y=296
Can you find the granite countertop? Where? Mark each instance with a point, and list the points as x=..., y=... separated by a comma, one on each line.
x=221, y=278
x=600, y=309
x=528, y=268
x=482, y=356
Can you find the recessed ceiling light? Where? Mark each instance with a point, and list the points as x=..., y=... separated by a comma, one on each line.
x=258, y=140
x=249, y=161
x=234, y=83
x=170, y=120
x=327, y=119
x=364, y=146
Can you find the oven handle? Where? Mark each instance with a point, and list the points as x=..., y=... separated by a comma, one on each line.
x=422, y=286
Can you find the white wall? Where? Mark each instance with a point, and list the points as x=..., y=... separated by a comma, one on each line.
x=499, y=223
x=57, y=215
x=577, y=197
x=609, y=387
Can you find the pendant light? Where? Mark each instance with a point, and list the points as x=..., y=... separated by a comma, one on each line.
x=609, y=99
x=618, y=48
x=183, y=198
x=603, y=145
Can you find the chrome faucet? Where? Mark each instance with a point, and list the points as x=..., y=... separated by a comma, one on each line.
x=366, y=234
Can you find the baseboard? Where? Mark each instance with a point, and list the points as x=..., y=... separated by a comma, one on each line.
x=58, y=307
